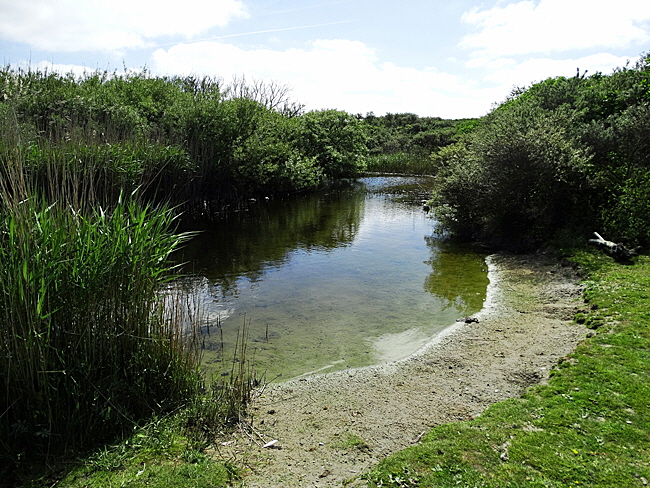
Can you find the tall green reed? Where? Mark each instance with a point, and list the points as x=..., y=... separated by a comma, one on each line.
x=226, y=396
x=88, y=346
x=92, y=340
x=85, y=347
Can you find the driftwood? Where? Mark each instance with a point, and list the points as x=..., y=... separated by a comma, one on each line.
x=617, y=251
x=468, y=320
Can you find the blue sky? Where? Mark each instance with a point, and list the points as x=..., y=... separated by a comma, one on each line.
x=445, y=58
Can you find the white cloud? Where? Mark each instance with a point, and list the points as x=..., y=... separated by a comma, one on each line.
x=547, y=26
x=534, y=70
x=74, y=69
x=338, y=74
x=78, y=25
x=347, y=75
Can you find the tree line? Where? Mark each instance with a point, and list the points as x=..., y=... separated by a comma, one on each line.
x=403, y=142
x=554, y=163
x=185, y=140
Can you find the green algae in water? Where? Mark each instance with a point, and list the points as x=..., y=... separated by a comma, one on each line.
x=347, y=278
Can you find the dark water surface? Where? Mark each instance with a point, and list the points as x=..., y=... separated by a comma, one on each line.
x=348, y=277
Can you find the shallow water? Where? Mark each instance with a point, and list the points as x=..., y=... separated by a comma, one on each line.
x=349, y=277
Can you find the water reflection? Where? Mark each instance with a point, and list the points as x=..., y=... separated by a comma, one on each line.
x=247, y=243
x=455, y=277
x=331, y=280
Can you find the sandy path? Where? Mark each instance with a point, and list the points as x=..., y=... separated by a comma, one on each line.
x=524, y=329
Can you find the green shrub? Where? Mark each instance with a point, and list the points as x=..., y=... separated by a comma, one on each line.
x=336, y=139
x=567, y=155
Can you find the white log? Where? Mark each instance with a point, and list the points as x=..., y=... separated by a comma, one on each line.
x=617, y=251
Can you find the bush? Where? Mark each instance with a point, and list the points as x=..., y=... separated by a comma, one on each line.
x=269, y=162
x=567, y=154
x=513, y=182
x=336, y=140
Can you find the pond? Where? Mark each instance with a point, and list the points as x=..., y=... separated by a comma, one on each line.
x=351, y=276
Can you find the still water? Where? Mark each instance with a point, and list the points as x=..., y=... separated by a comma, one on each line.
x=351, y=276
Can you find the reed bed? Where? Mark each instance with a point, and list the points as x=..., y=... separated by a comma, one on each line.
x=84, y=348
x=89, y=347
x=93, y=173
x=416, y=163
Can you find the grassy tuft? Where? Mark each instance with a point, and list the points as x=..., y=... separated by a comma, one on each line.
x=93, y=342
x=349, y=442
x=160, y=454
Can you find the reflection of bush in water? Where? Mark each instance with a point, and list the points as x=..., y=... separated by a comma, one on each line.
x=248, y=243
x=459, y=275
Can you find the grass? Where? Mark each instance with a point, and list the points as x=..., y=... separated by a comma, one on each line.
x=90, y=346
x=349, y=442
x=169, y=450
x=588, y=427
x=160, y=454
x=401, y=163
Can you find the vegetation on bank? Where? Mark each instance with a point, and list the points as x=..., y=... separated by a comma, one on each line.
x=92, y=346
x=557, y=161
x=587, y=427
x=403, y=143
x=174, y=449
x=194, y=142
x=93, y=174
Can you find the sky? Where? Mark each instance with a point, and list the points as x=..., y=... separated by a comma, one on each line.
x=438, y=58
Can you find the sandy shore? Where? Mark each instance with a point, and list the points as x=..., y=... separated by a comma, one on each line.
x=329, y=429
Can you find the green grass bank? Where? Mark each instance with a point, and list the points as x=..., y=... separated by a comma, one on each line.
x=587, y=427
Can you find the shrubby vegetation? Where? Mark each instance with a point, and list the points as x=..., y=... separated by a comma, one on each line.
x=94, y=171
x=561, y=159
x=403, y=143
x=190, y=141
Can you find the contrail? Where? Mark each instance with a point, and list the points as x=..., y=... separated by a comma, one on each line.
x=253, y=32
